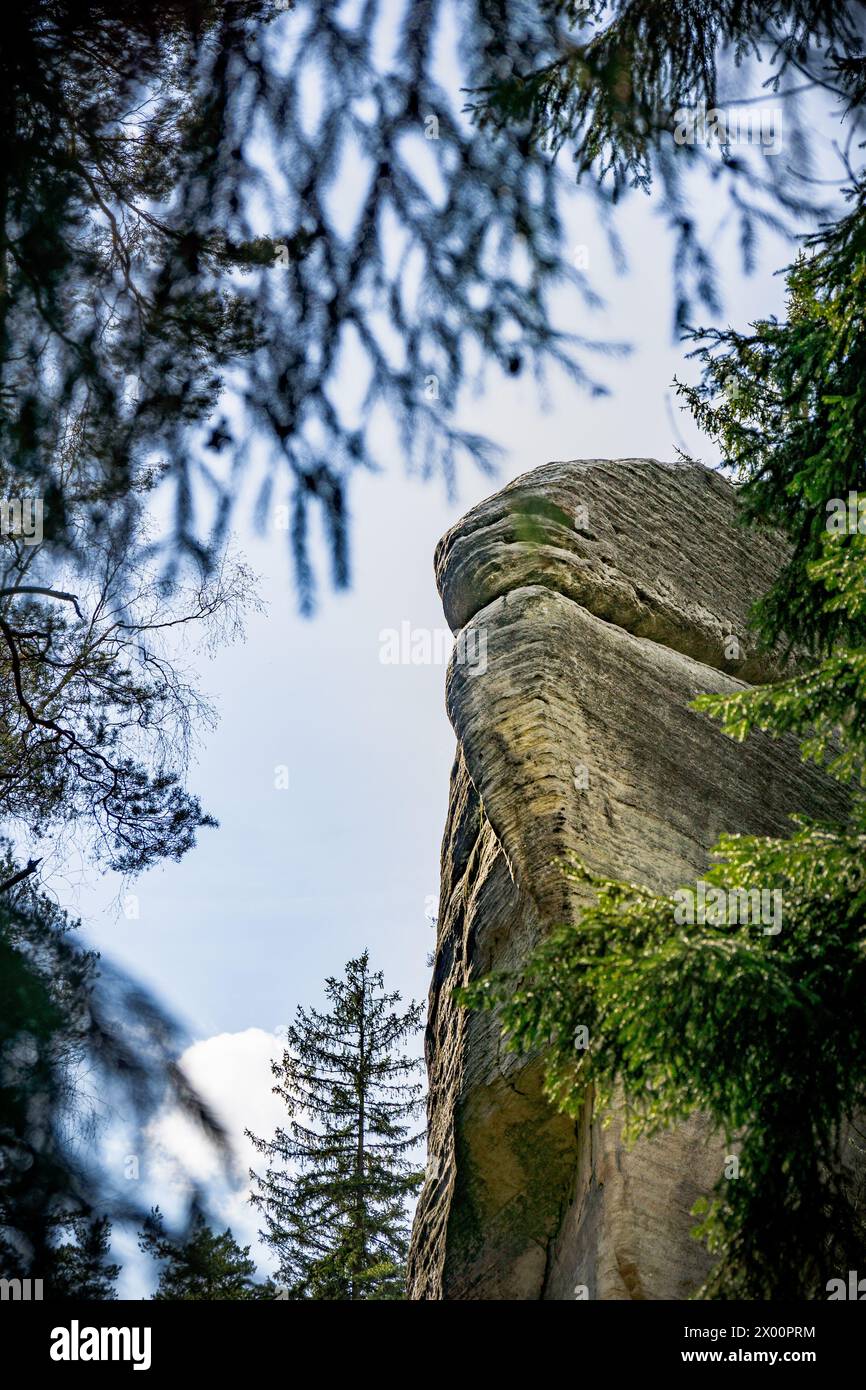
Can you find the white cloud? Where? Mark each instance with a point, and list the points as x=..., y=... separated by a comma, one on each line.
x=232, y=1074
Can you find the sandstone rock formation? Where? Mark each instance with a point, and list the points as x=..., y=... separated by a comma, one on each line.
x=595, y=600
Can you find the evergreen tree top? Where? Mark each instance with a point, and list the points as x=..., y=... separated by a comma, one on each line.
x=340, y=1173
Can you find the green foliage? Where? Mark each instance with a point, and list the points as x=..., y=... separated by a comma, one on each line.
x=824, y=705
x=339, y=1177
x=766, y=1034
x=792, y=424
x=203, y=1266
x=81, y=1267
x=78, y=1041
x=604, y=80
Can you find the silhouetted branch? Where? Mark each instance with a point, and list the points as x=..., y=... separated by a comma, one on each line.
x=32, y=866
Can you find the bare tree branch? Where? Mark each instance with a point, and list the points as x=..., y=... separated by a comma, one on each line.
x=48, y=593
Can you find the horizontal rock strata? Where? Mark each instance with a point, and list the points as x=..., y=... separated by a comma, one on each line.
x=594, y=601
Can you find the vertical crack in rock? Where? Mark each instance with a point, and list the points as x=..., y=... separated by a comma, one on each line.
x=594, y=600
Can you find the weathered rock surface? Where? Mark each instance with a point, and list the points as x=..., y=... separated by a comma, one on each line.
x=595, y=638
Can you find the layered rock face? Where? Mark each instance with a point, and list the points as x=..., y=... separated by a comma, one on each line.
x=593, y=601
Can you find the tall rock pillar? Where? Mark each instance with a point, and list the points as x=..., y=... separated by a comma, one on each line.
x=593, y=601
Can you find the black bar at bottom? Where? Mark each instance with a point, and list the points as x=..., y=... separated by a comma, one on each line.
x=254, y=1339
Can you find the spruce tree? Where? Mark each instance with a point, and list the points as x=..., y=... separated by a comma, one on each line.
x=81, y=1267
x=335, y=1190
x=203, y=1267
